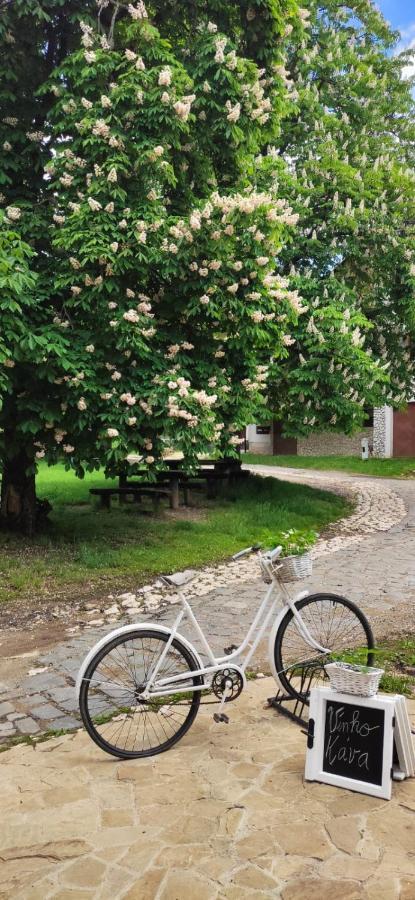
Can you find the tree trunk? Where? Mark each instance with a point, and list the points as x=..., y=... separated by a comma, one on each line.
x=18, y=508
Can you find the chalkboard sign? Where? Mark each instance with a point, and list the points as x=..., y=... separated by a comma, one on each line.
x=350, y=741
x=353, y=741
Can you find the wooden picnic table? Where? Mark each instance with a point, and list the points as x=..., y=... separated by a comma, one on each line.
x=174, y=479
x=223, y=462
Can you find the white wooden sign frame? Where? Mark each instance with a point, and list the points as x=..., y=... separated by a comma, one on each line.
x=403, y=738
x=314, y=771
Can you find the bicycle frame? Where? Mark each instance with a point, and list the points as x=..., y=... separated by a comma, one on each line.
x=267, y=609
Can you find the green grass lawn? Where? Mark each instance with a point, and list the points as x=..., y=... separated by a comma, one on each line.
x=388, y=468
x=85, y=547
x=397, y=658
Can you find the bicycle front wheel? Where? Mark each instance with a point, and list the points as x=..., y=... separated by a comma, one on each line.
x=113, y=711
x=333, y=622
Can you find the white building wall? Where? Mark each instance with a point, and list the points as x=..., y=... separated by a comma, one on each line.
x=259, y=443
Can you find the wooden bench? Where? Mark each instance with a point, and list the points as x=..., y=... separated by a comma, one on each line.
x=135, y=491
x=170, y=479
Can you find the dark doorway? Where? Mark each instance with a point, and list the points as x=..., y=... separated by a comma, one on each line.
x=404, y=431
x=283, y=445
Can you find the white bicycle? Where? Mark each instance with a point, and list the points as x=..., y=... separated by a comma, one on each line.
x=141, y=686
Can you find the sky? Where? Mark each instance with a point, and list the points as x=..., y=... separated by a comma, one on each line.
x=401, y=15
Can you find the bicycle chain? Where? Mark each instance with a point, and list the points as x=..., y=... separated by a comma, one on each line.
x=202, y=703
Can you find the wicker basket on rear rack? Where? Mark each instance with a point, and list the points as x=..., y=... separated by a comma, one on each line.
x=354, y=679
x=293, y=568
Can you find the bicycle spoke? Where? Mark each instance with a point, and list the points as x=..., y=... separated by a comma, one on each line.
x=113, y=707
x=333, y=623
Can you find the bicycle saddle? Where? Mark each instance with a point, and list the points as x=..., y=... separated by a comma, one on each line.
x=179, y=579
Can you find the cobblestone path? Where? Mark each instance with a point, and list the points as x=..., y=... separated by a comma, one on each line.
x=375, y=568
x=371, y=560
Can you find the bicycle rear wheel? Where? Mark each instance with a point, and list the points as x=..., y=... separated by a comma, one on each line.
x=334, y=622
x=116, y=717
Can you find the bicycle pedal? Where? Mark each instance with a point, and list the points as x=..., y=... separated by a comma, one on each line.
x=221, y=717
x=228, y=650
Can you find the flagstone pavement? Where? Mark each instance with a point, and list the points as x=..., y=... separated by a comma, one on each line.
x=225, y=815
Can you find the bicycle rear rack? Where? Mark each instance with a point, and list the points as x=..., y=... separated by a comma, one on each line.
x=291, y=707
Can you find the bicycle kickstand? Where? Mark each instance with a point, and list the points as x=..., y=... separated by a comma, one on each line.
x=221, y=716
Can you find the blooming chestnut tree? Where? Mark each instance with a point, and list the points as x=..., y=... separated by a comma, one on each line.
x=16, y=287
x=162, y=303
x=34, y=38
x=28, y=343
x=201, y=220
x=166, y=286
x=347, y=143
x=349, y=150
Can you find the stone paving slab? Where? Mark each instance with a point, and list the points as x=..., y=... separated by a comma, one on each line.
x=370, y=559
x=225, y=815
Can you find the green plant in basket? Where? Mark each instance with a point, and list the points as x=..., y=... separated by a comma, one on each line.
x=295, y=541
x=396, y=657
x=356, y=656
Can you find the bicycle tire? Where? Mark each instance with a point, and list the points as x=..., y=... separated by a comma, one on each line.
x=295, y=652
x=127, y=668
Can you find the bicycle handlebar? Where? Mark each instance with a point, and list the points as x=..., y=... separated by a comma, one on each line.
x=247, y=551
x=276, y=552
x=272, y=554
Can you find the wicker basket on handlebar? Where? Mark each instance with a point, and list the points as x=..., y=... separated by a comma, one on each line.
x=293, y=568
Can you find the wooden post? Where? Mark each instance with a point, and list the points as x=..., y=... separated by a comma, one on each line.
x=174, y=487
x=212, y=488
x=122, y=483
x=155, y=499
